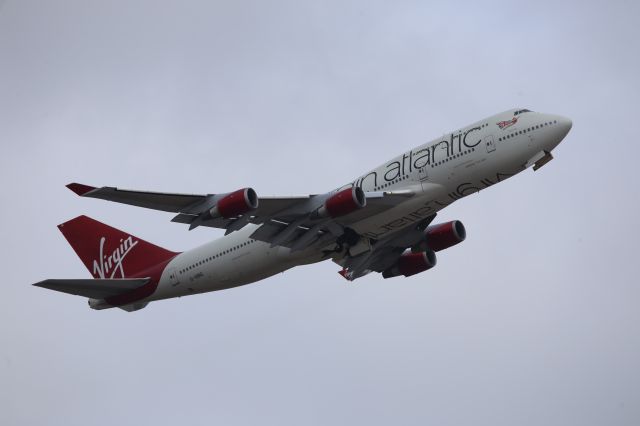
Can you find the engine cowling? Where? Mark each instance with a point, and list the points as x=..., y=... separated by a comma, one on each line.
x=344, y=202
x=411, y=263
x=235, y=203
x=445, y=235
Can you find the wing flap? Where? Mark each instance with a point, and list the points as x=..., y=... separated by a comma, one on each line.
x=94, y=288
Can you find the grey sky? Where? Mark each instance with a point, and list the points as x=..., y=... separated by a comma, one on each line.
x=533, y=320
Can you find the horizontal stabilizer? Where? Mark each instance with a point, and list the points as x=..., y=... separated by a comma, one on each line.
x=94, y=288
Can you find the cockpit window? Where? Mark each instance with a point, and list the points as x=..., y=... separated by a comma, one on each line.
x=521, y=111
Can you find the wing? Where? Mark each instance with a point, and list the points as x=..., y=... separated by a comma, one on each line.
x=94, y=288
x=188, y=204
x=297, y=222
x=384, y=253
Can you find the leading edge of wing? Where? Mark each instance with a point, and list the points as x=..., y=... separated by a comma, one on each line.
x=169, y=202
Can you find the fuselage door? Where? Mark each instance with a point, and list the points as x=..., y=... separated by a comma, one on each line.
x=490, y=143
x=422, y=172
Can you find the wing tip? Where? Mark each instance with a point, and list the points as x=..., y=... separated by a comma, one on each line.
x=42, y=284
x=80, y=189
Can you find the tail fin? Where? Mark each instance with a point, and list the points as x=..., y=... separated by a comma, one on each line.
x=110, y=253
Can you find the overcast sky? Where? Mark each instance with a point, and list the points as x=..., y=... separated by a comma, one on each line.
x=534, y=320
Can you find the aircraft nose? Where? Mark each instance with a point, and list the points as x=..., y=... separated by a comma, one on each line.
x=560, y=127
x=557, y=127
x=565, y=125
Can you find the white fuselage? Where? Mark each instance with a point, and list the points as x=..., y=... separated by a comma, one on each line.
x=439, y=172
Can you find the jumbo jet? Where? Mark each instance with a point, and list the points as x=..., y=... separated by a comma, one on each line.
x=380, y=222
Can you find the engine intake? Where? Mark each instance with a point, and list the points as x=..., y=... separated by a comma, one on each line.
x=445, y=235
x=411, y=264
x=343, y=202
x=235, y=204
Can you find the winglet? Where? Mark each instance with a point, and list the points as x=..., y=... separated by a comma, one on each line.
x=80, y=189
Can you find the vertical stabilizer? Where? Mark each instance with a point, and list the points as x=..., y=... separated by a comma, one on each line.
x=110, y=253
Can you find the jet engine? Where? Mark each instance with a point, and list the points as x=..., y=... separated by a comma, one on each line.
x=444, y=235
x=343, y=202
x=411, y=263
x=235, y=204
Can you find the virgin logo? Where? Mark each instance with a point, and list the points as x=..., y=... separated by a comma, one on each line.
x=107, y=266
x=504, y=124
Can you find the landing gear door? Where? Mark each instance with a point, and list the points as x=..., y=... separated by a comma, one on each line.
x=490, y=143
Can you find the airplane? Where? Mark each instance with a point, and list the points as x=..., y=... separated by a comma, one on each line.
x=380, y=222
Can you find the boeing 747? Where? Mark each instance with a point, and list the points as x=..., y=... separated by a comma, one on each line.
x=382, y=222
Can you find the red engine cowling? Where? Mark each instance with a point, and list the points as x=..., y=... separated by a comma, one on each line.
x=445, y=235
x=344, y=202
x=235, y=203
x=411, y=264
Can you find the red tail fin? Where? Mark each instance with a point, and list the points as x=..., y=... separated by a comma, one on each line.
x=110, y=253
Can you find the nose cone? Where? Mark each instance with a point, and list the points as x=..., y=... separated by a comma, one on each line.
x=564, y=125
x=559, y=128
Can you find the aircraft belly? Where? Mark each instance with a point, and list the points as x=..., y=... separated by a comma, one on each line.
x=405, y=214
x=245, y=268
